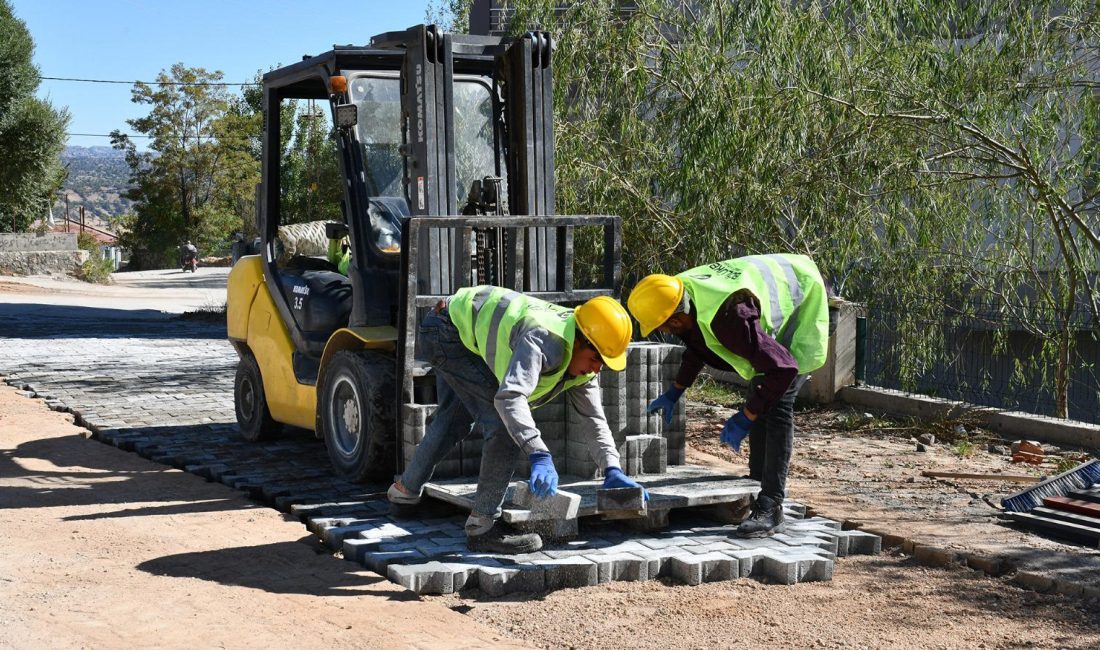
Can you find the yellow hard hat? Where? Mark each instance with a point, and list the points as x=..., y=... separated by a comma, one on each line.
x=654, y=300
x=605, y=324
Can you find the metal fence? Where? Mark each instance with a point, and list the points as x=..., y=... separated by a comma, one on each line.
x=979, y=355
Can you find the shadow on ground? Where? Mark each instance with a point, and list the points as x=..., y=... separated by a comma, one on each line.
x=279, y=568
x=45, y=321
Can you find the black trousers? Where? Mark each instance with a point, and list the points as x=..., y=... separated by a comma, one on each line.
x=771, y=441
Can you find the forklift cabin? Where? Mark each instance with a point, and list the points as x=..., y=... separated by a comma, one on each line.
x=446, y=149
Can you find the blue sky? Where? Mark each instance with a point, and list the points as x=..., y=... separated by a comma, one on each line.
x=136, y=39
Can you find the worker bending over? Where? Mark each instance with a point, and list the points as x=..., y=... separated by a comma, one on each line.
x=765, y=317
x=497, y=354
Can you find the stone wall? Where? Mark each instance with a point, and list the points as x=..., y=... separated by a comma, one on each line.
x=41, y=262
x=28, y=253
x=29, y=241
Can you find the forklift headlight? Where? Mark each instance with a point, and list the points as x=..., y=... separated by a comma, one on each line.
x=347, y=115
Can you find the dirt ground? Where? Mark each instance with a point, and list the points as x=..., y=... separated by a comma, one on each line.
x=100, y=548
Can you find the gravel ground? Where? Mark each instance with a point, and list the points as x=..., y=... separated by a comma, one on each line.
x=872, y=602
x=863, y=469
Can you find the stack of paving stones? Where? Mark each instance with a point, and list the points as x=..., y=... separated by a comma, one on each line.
x=163, y=389
x=646, y=445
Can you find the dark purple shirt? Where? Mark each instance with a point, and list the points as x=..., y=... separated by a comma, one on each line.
x=736, y=325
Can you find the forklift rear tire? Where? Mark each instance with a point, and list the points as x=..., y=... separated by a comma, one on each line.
x=357, y=405
x=250, y=402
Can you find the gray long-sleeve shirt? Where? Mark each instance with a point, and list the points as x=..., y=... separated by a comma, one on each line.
x=536, y=353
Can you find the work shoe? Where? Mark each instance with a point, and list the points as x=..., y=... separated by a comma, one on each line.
x=766, y=519
x=403, y=504
x=502, y=539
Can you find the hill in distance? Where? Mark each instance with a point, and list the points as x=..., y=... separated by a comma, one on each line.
x=97, y=178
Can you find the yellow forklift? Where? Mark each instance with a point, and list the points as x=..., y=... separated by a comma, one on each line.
x=446, y=149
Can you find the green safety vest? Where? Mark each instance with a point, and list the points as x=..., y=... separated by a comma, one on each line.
x=489, y=319
x=794, y=307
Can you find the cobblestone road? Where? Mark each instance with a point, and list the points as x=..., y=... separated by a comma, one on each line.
x=163, y=388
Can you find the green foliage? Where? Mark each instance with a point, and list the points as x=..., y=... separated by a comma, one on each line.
x=922, y=153
x=32, y=132
x=85, y=241
x=311, y=182
x=963, y=449
x=451, y=15
x=1065, y=465
x=716, y=393
x=96, y=268
x=197, y=180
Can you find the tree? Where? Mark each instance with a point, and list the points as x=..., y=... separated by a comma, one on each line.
x=197, y=161
x=32, y=132
x=929, y=156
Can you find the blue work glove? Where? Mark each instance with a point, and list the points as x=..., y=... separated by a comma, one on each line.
x=666, y=402
x=544, y=478
x=737, y=427
x=613, y=477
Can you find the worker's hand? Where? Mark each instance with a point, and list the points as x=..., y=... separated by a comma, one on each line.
x=544, y=478
x=737, y=427
x=613, y=477
x=666, y=402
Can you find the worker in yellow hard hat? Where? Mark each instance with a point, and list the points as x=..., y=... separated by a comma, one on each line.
x=497, y=354
x=763, y=316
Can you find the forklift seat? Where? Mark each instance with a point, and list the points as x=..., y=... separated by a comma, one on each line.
x=320, y=300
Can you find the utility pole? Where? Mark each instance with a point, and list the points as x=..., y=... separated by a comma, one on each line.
x=66, y=212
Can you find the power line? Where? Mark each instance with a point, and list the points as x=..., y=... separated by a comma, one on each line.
x=106, y=135
x=150, y=83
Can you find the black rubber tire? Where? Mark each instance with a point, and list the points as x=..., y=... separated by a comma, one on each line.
x=250, y=402
x=357, y=401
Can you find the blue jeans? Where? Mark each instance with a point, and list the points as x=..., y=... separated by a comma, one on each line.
x=465, y=388
x=771, y=442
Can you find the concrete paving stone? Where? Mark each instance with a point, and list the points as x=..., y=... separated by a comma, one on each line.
x=624, y=567
x=619, y=500
x=502, y=580
x=334, y=537
x=572, y=572
x=816, y=521
x=551, y=530
x=861, y=543
x=458, y=546
x=815, y=569
x=563, y=505
x=776, y=567
x=745, y=560
x=697, y=569
x=824, y=541
x=563, y=554
x=626, y=546
x=402, y=544
x=657, y=562
x=765, y=543
x=657, y=544
x=378, y=561
x=427, y=578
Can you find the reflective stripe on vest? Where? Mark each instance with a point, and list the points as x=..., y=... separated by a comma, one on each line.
x=491, y=320
x=793, y=304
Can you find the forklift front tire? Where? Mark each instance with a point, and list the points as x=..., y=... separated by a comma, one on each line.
x=250, y=403
x=357, y=406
